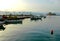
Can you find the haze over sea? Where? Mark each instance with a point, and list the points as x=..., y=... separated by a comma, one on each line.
x=33, y=13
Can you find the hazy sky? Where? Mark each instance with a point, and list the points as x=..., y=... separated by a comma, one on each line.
x=30, y=5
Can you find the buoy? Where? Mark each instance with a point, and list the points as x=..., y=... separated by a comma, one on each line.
x=51, y=32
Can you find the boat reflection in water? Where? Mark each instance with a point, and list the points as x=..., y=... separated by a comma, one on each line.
x=2, y=27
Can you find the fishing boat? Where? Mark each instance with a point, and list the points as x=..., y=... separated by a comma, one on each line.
x=35, y=18
x=13, y=21
x=2, y=22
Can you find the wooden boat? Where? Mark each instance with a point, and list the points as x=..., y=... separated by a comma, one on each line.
x=35, y=18
x=13, y=21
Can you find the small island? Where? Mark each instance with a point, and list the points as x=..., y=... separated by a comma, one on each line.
x=50, y=13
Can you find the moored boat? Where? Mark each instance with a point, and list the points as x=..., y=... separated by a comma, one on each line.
x=13, y=21
x=1, y=22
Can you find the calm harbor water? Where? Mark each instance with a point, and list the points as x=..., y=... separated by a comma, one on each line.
x=31, y=30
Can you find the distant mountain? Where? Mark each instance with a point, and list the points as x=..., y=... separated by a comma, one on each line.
x=50, y=14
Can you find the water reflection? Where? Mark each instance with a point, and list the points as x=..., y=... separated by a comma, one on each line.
x=2, y=27
x=33, y=31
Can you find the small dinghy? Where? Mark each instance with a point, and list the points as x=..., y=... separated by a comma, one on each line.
x=2, y=27
x=51, y=32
